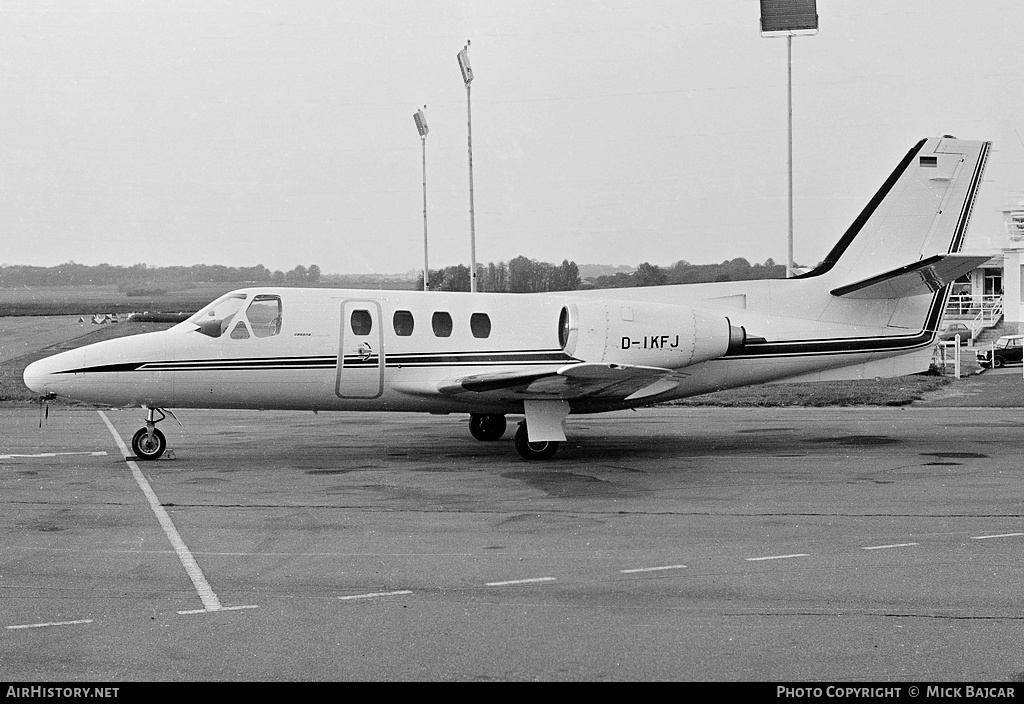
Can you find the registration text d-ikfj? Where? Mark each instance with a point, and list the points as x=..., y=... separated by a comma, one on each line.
x=651, y=342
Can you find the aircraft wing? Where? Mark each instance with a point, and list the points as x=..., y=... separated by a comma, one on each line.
x=570, y=382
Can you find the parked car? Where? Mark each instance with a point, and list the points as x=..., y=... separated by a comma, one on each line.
x=951, y=330
x=1008, y=348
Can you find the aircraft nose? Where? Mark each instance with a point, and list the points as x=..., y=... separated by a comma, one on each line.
x=44, y=376
x=37, y=375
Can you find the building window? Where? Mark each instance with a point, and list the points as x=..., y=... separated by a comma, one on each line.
x=361, y=322
x=480, y=324
x=993, y=284
x=442, y=324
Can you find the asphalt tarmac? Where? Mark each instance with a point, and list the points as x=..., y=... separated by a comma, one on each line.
x=684, y=544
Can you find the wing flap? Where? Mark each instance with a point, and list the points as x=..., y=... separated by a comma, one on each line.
x=569, y=382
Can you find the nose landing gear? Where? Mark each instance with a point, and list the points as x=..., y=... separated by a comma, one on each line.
x=149, y=443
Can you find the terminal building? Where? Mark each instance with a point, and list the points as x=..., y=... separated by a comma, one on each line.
x=993, y=294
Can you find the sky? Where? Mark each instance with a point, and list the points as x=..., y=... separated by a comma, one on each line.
x=244, y=132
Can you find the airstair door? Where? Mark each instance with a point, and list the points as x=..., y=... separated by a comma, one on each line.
x=360, y=350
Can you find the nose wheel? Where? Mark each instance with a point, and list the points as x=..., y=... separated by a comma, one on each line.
x=149, y=443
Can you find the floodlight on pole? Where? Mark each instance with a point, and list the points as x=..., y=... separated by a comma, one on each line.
x=467, y=78
x=789, y=18
x=421, y=126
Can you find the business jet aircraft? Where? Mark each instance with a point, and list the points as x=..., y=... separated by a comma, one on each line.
x=871, y=308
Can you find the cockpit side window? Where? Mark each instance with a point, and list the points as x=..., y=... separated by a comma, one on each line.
x=264, y=314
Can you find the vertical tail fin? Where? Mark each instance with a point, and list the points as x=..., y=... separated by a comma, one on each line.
x=921, y=211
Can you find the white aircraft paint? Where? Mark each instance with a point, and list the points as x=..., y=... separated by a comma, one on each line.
x=870, y=309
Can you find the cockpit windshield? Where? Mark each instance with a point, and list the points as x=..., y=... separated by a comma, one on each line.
x=245, y=317
x=215, y=319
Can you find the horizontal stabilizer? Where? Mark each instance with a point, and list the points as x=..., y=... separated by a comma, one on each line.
x=920, y=278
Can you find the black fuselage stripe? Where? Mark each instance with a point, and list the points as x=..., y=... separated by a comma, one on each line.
x=795, y=348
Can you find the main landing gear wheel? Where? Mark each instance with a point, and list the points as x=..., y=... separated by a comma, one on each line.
x=147, y=447
x=487, y=426
x=543, y=450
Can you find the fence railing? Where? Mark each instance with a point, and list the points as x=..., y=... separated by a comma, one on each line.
x=986, y=309
x=987, y=316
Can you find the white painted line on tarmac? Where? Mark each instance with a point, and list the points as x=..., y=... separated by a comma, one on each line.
x=1002, y=535
x=203, y=588
x=521, y=581
x=653, y=569
x=51, y=623
x=223, y=608
x=53, y=454
x=778, y=557
x=373, y=595
x=886, y=547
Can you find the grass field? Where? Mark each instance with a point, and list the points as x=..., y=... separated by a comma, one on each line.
x=859, y=392
x=87, y=300
x=12, y=387
x=23, y=335
x=28, y=339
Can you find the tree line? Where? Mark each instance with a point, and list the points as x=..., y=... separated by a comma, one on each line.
x=683, y=272
x=522, y=275
x=140, y=275
x=518, y=275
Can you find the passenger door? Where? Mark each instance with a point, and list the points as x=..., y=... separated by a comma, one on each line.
x=360, y=350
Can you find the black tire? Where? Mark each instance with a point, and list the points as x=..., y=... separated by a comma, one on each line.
x=145, y=449
x=531, y=451
x=997, y=362
x=487, y=426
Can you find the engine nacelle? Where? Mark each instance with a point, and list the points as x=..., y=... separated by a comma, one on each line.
x=649, y=334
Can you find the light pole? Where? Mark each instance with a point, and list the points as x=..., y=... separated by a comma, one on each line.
x=421, y=126
x=467, y=78
x=789, y=18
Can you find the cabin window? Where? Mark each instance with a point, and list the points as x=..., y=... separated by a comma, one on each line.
x=264, y=314
x=240, y=332
x=442, y=324
x=480, y=324
x=403, y=323
x=361, y=322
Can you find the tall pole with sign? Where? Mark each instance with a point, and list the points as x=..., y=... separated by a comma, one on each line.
x=467, y=78
x=421, y=126
x=789, y=18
